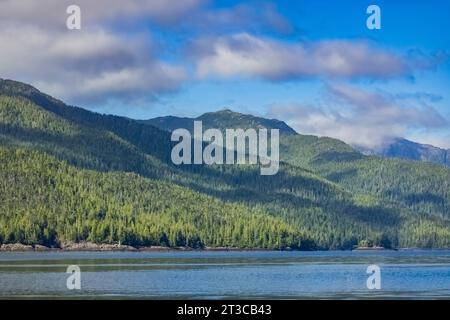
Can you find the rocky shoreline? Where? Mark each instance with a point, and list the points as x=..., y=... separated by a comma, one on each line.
x=94, y=247
x=369, y=248
x=82, y=246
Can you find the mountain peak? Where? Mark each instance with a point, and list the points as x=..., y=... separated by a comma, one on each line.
x=222, y=119
x=16, y=88
x=227, y=118
x=226, y=110
x=27, y=91
x=410, y=150
x=223, y=113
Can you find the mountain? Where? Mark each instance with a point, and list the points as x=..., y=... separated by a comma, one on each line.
x=68, y=174
x=406, y=149
x=399, y=148
x=223, y=119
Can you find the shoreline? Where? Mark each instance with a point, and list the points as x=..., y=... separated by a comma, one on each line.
x=93, y=247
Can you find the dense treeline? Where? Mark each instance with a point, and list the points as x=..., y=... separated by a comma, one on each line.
x=107, y=179
x=423, y=188
x=43, y=200
x=419, y=193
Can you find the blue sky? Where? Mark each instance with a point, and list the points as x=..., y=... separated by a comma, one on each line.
x=313, y=64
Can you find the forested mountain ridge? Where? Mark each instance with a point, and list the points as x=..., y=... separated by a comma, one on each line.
x=325, y=196
x=399, y=148
x=356, y=172
x=410, y=150
x=223, y=119
x=59, y=203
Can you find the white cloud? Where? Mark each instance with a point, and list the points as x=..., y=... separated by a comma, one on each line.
x=97, y=62
x=53, y=13
x=247, y=55
x=243, y=16
x=359, y=117
x=85, y=65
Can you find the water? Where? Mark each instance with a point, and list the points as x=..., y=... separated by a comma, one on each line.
x=222, y=275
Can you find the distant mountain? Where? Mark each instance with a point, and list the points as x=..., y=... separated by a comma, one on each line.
x=68, y=174
x=222, y=119
x=409, y=150
x=399, y=148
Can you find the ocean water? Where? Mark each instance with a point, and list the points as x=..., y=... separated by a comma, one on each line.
x=408, y=274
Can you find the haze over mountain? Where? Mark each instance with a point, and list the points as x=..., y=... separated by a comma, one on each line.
x=406, y=149
x=69, y=175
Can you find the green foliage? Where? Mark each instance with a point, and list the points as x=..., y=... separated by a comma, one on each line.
x=68, y=174
x=46, y=201
x=224, y=119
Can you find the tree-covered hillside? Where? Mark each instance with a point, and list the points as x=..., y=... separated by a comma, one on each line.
x=409, y=150
x=224, y=119
x=46, y=201
x=68, y=174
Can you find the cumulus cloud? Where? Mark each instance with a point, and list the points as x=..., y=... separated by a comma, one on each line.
x=247, y=55
x=104, y=60
x=258, y=17
x=93, y=64
x=85, y=65
x=359, y=117
x=53, y=13
x=99, y=62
